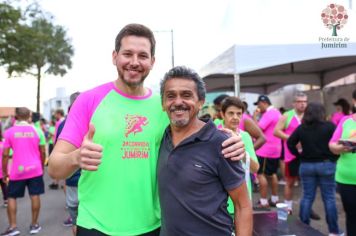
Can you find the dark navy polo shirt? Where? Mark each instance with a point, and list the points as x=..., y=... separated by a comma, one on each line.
x=193, y=180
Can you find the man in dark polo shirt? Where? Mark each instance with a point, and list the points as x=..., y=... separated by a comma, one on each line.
x=194, y=179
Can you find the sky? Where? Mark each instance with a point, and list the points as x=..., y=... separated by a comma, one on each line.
x=201, y=31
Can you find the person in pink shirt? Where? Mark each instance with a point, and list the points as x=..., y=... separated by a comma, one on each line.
x=28, y=145
x=2, y=182
x=268, y=155
x=342, y=109
x=287, y=123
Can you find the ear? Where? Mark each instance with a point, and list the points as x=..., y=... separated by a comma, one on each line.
x=201, y=104
x=153, y=60
x=114, y=55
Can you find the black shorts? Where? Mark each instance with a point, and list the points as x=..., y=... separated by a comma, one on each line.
x=93, y=232
x=292, y=168
x=268, y=166
x=34, y=185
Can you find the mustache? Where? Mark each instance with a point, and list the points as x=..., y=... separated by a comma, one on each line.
x=134, y=67
x=179, y=107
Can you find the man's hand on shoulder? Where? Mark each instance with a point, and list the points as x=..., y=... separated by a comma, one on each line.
x=233, y=147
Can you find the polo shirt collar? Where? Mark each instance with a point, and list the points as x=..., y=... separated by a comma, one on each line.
x=204, y=134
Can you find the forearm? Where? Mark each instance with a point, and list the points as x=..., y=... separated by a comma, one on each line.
x=259, y=142
x=337, y=148
x=5, y=160
x=280, y=134
x=243, y=221
x=62, y=165
x=43, y=155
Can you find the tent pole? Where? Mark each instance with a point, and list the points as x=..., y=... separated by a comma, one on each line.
x=237, y=85
x=322, y=95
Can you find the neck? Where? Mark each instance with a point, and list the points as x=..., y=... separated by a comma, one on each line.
x=181, y=133
x=232, y=129
x=299, y=114
x=137, y=90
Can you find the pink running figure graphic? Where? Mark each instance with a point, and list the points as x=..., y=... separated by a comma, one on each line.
x=134, y=124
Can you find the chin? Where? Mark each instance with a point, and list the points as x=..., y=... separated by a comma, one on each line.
x=179, y=123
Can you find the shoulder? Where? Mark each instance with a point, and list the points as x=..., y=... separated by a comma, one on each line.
x=90, y=99
x=218, y=136
x=8, y=132
x=346, y=119
x=244, y=134
x=98, y=91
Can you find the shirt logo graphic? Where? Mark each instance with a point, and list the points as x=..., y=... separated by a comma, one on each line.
x=134, y=124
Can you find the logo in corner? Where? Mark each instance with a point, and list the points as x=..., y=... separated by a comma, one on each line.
x=334, y=17
x=134, y=124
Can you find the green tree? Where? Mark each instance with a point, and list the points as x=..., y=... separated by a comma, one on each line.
x=9, y=23
x=37, y=47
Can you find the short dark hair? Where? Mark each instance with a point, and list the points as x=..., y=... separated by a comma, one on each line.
x=314, y=113
x=184, y=72
x=219, y=99
x=344, y=104
x=299, y=94
x=136, y=30
x=22, y=113
x=232, y=101
x=59, y=111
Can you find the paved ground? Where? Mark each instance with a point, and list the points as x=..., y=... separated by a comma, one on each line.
x=317, y=206
x=53, y=213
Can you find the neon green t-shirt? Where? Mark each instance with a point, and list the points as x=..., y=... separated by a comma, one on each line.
x=121, y=197
x=346, y=164
x=51, y=131
x=218, y=122
x=247, y=140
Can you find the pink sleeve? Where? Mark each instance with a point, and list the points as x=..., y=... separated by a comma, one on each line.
x=80, y=114
x=264, y=121
x=338, y=131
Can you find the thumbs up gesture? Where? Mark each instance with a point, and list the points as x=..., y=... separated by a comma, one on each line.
x=90, y=152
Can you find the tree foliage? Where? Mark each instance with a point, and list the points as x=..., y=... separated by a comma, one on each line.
x=30, y=43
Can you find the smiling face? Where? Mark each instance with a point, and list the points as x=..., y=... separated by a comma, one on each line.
x=232, y=117
x=133, y=60
x=181, y=102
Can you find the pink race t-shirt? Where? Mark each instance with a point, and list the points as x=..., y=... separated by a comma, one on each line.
x=292, y=123
x=25, y=140
x=242, y=121
x=336, y=117
x=272, y=147
x=339, y=129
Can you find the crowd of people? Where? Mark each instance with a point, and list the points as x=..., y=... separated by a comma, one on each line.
x=135, y=161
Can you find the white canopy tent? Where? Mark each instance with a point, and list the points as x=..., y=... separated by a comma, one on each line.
x=265, y=68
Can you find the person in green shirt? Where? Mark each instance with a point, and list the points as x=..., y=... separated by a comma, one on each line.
x=232, y=109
